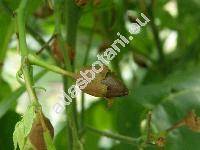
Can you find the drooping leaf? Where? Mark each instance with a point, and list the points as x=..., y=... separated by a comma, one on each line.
x=48, y=141
x=23, y=128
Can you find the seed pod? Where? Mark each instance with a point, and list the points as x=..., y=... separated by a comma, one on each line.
x=192, y=121
x=140, y=60
x=81, y=3
x=160, y=142
x=115, y=87
x=105, y=84
x=104, y=46
x=56, y=50
x=96, y=2
x=36, y=135
x=44, y=11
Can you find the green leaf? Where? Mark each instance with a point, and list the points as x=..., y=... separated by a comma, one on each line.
x=7, y=127
x=48, y=141
x=177, y=83
x=5, y=89
x=171, y=100
x=23, y=127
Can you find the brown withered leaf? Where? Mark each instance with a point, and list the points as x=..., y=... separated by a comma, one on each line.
x=36, y=135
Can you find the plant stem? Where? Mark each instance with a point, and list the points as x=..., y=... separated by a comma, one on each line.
x=72, y=17
x=156, y=32
x=21, y=28
x=6, y=103
x=46, y=44
x=36, y=61
x=175, y=126
x=150, y=9
x=149, y=117
x=24, y=50
x=4, y=44
x=38, y=37
x=122, y=138
x=25, y=65
x=84, y=63
x=72, y=130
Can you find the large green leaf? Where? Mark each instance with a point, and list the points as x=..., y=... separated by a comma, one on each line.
x=171, y=100
x=7, y=127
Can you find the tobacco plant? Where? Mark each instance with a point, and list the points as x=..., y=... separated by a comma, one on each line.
x=147, y=96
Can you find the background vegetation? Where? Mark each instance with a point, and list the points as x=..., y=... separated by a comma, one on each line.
x=161, y=68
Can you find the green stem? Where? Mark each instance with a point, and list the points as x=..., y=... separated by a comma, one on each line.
x=84, y=63
x=72, y=19
x=38, y=38
x=156, y=32
x=4, y=44
x=25, y=65
x=24, y=50
x=38, y=62
x=149, y=118
x=122, y=138
x=175, y=126
x=5, y=38
x=73, y=139
x=21, y=28
x=9, y=101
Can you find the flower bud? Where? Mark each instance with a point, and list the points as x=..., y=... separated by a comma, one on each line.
x=36, y=135
x=105, y=84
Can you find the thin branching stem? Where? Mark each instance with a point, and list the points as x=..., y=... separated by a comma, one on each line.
x=122, y=138
x=46, y=44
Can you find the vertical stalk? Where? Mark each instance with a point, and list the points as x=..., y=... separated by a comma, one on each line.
x=71, y=13
x=57, y=15
x=5, y=43
x=24, y=50
x=82, y=119
x=156, y=32
x=72, y=18
x=25, y=65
